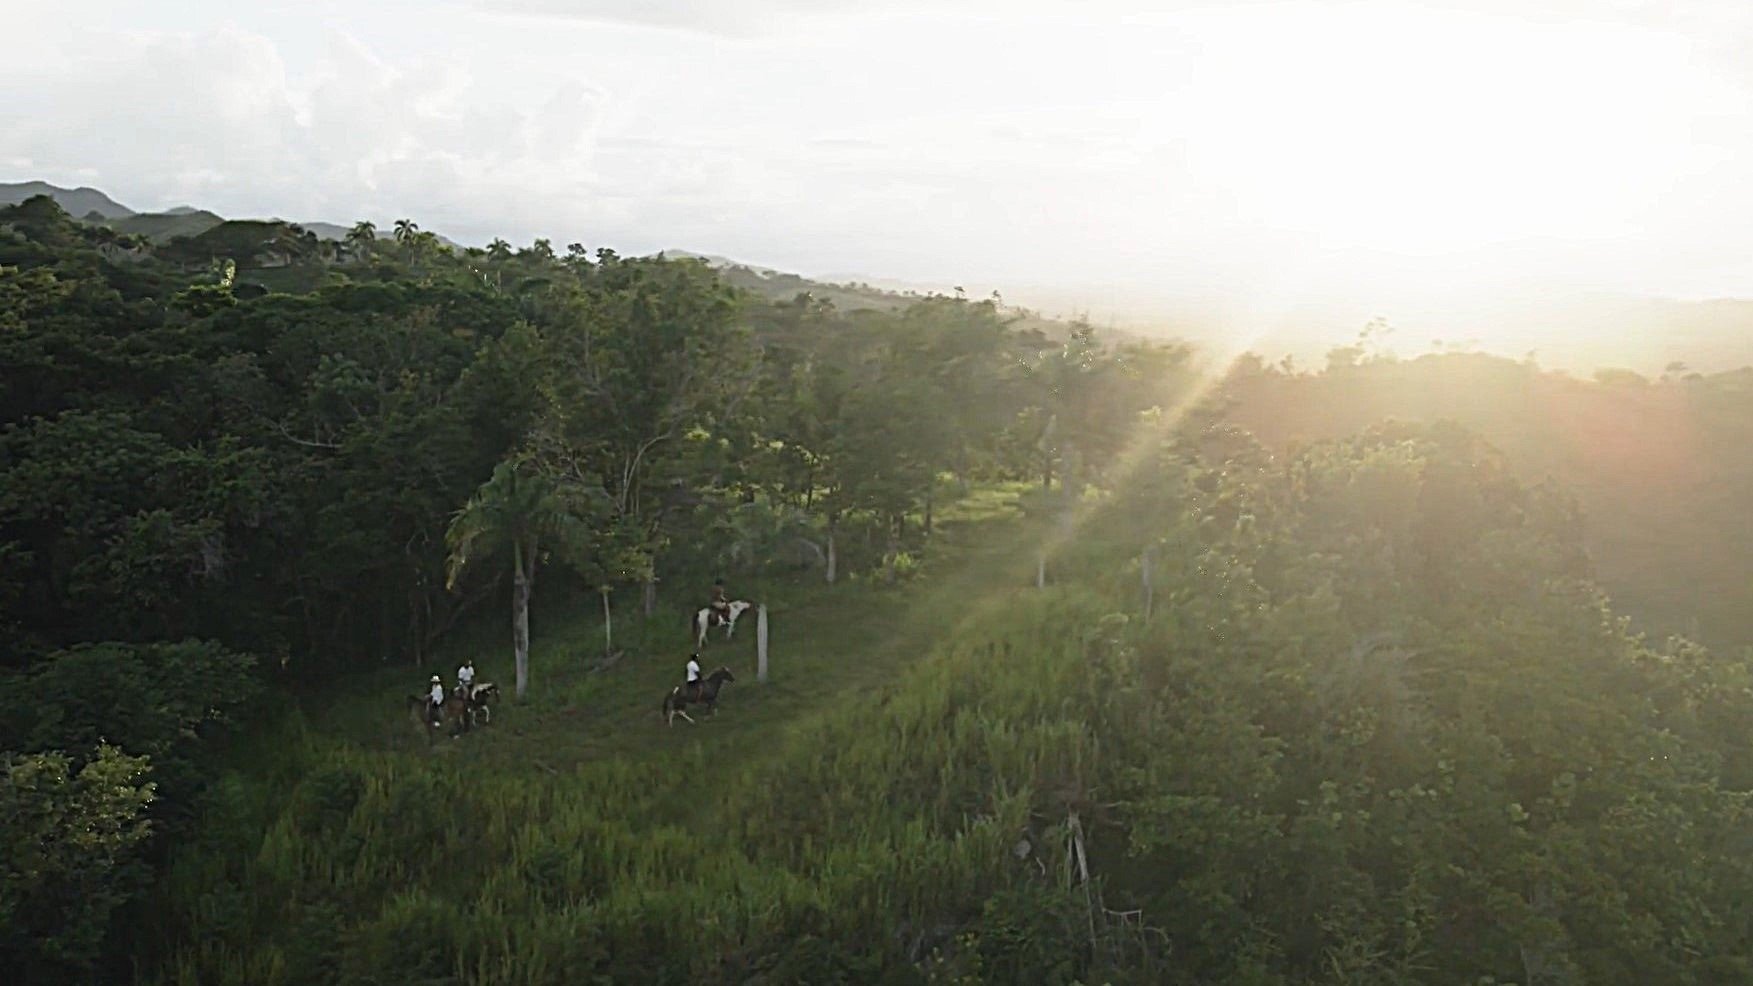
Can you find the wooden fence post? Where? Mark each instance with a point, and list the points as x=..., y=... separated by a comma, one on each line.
x=761, y=643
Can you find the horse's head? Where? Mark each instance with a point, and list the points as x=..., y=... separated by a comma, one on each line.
x=484, y=692
x=738, y=607
x=723, y=674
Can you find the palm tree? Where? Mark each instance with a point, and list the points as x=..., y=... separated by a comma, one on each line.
x=360, y=238
x=499, y=249
x=406, y=230
x=521, y=511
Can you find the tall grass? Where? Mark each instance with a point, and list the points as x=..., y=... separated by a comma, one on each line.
x=850, y=837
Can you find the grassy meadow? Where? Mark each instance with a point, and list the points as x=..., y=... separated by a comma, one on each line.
x=523, y=851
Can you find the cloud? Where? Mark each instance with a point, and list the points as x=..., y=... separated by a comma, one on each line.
x=216, y=118
x=1232, y=146
x=727, y=18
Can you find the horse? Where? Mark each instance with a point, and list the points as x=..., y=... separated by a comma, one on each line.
x=454, y=710
x=678, y=698
x=479, y=695
x=708, y=618
x=417, y=712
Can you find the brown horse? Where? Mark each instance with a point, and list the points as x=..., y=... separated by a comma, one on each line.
x=455, y=711
x=682, y=696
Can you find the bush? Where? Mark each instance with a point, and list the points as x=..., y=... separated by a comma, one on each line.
x=68, y=844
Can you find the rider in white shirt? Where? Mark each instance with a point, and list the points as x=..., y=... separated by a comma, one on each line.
x=466, y=678
x=693, y=673
x=435, y=700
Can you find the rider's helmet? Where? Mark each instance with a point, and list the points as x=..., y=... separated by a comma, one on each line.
x=437, y=680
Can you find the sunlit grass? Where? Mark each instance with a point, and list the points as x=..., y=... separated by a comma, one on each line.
x=866, y=786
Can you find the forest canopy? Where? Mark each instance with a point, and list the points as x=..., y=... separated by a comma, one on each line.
x=1383, y=722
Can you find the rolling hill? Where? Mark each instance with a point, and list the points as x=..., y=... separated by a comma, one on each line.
x=79, y=202
x=159, y=227
x=162, y=227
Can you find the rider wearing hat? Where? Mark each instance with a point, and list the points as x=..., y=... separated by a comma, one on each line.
x=435, y=699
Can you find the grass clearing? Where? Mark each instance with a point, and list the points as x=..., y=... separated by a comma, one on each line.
x=829, y=645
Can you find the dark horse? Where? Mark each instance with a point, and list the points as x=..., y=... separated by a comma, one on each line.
x=455, y=711
x=682, y=696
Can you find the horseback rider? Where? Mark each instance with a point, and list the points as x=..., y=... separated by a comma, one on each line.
x=693, y=684
x=466, y=679
x=720, y=602
x=435, y=700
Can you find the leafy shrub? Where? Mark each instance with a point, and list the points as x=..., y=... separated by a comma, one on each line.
x=68, y=841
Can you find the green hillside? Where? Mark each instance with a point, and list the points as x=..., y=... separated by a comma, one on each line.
x=780, y=286
x=1085, y=666
x=1648, y=459
x=79, y=202
x=162, y=227
x=1290, y=774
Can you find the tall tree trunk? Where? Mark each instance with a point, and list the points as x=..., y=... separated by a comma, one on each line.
x=930, y=495
x=608, y=628
x=833, y=555
x=651, y=597
x=520, y=614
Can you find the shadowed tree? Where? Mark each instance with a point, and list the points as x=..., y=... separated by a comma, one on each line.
x=521, y=512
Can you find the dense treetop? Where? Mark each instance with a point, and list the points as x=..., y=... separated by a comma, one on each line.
x=1382, y=725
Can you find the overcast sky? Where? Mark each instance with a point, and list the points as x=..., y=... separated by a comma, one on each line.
x=1281, y=153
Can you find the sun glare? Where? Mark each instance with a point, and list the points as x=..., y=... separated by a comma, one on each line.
x=1425, y=132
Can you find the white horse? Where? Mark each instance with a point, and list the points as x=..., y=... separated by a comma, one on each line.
x=480, y=694
x=708, y=618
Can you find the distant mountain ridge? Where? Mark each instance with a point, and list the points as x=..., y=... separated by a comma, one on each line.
x=162, y=227
x=159, y=227
x=1577, y=333
x=79, y=202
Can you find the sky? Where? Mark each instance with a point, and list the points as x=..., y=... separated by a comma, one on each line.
x=1257, y=163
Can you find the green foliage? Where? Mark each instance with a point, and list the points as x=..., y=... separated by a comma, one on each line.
x=1313, y=765
x=1380, y=726
x=152, y=699
x=1650, y=462
x=69, y=842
